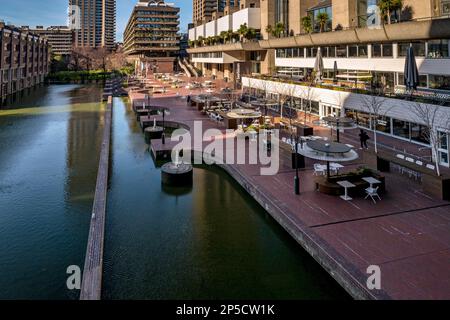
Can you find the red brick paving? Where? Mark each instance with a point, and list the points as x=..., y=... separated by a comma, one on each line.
x=406, y=234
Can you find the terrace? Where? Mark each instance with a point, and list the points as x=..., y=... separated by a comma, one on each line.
x=405, y=233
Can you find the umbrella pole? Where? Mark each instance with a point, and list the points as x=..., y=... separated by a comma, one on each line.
x=328, y=170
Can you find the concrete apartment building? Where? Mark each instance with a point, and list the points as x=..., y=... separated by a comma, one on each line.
x=97, y=23
x=151, y=36
x=24, y=60
x=60, y=38
x=355, y=42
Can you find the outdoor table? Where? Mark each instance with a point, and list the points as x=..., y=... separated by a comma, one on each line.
x=336, y=166
x=346, y=184
x=331, y=151
x=371, y=181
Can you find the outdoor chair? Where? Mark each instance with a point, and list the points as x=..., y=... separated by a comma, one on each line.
x=319, y=170
x=372, y=193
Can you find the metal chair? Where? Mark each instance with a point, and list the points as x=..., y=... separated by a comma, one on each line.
x=319, y=170
x=372, y=193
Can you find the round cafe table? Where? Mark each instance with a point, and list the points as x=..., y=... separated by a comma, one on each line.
x=328, y=151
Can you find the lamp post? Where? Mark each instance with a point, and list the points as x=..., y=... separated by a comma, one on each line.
x=337, y=130
x=296, y=178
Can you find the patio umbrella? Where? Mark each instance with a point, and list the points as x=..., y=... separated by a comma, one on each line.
x=335, y=71
x=324, y=151
x=318, y=66
x=411, y=71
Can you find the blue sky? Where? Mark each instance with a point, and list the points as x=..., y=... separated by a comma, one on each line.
x=53, y=12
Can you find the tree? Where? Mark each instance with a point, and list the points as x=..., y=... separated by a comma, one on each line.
x=375, y=106
x=387, y=7
x=279, y=29
x=224, y=35
x=432, y=118
x=322, y=20
x=251, y=34
x=269, y=30
x=285, y=93
x=307, y=24
x=242, y=31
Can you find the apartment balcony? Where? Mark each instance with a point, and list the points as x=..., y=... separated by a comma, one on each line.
x=249, y=16
x=211, y=29
x=237, y=46
x=221, y=59
x=224, y=24
x=405, y=31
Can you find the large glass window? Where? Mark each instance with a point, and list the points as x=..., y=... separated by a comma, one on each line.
x=341, y=51
x=439, y=82
x=317, y=26
x=423, y=80
x=314, y=107
x=438, y=49
x=400, y=128
x=382, y=50
x=353, y=51
x=418, y=46
x=384, y=124
x=419, y=133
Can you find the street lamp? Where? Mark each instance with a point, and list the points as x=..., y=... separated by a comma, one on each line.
x=296, y=178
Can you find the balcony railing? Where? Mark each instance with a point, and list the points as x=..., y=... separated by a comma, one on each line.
x=436, y=97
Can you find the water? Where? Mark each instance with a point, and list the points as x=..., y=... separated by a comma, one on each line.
x=49, y=146
x=210, y=241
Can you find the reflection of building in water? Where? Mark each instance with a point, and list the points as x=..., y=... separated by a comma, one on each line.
x=84, y=133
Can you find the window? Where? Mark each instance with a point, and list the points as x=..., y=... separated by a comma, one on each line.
x=419, y=133
x=400, y=128
x=438, y=49
x=377, y=50
x=382, y=50
x=317, y=27
x=418, y=47
x=423, y=80
x=439, y=82
x=353, y=51
x=341, y=51
x=384, y=124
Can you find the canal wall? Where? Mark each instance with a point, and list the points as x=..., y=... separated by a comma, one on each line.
x=93, y=266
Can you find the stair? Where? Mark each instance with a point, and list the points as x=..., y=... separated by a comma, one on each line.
x=184, y=68
x=191, y=68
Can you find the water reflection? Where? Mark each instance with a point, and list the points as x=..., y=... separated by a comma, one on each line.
x=50, y=145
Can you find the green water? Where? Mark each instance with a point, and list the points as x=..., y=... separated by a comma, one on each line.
x=49, y=142
x=212, y=241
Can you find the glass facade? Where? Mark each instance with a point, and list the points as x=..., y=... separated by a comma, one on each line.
x=399, y=128
x=282, y=13
x=438, y=49
x=315, y=21
x=418, y=47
